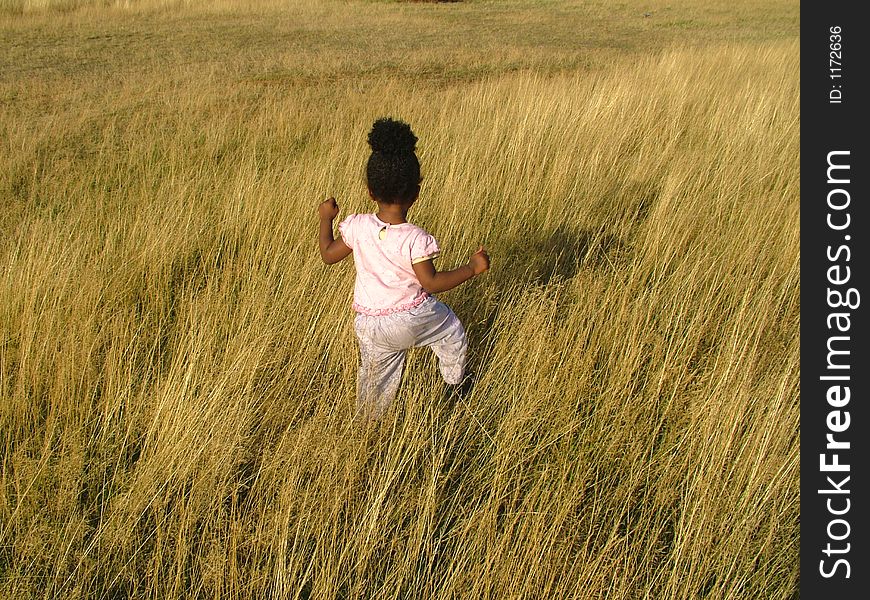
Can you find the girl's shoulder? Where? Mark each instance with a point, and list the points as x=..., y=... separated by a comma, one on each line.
x=355, y=220
x=353, y=227
x=361, y=219
x=418, y=234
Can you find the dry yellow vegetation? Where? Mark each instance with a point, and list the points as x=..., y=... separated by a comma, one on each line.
x=177, y=368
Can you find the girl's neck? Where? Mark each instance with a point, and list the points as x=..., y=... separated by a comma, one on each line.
x=394, y=214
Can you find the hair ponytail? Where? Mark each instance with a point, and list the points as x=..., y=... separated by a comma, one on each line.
x=393, y=170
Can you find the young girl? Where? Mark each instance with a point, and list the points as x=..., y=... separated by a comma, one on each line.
x=395, y=273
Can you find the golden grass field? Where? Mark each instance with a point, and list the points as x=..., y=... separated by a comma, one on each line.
x=177, y=366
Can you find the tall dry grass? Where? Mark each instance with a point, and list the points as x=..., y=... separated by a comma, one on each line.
x=177, y=368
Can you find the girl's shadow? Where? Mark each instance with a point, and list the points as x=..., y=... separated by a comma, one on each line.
x=535, y=258
x=543, y=257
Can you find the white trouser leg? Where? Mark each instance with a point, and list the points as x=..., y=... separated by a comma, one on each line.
x=379, y=376
x=450, y=347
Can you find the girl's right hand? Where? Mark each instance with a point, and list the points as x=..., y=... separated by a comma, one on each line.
x=328, y=209
x=479, y=261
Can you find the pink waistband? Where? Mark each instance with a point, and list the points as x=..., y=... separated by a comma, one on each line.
x=380, y=312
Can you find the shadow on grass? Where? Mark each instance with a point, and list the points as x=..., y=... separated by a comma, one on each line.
x=537, y=258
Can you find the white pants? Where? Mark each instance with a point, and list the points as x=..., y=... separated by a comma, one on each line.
x=384, y=341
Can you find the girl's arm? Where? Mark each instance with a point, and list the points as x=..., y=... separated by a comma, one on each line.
x=331, y=249
x=434, y=281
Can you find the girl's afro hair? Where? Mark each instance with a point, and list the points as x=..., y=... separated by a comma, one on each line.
x=393, y=170
x=392, y=137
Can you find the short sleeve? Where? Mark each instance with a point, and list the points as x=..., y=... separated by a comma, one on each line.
x=424, y=247
x=345, y=228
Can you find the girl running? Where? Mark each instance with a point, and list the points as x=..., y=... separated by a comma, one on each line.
x=396, y=278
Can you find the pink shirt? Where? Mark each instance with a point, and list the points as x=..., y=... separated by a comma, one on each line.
x=383, y=255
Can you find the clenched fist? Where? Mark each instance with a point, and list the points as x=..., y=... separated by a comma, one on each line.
x=328, y=209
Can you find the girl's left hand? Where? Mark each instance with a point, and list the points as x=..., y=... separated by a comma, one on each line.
x=328, y=209
x=479, y=261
